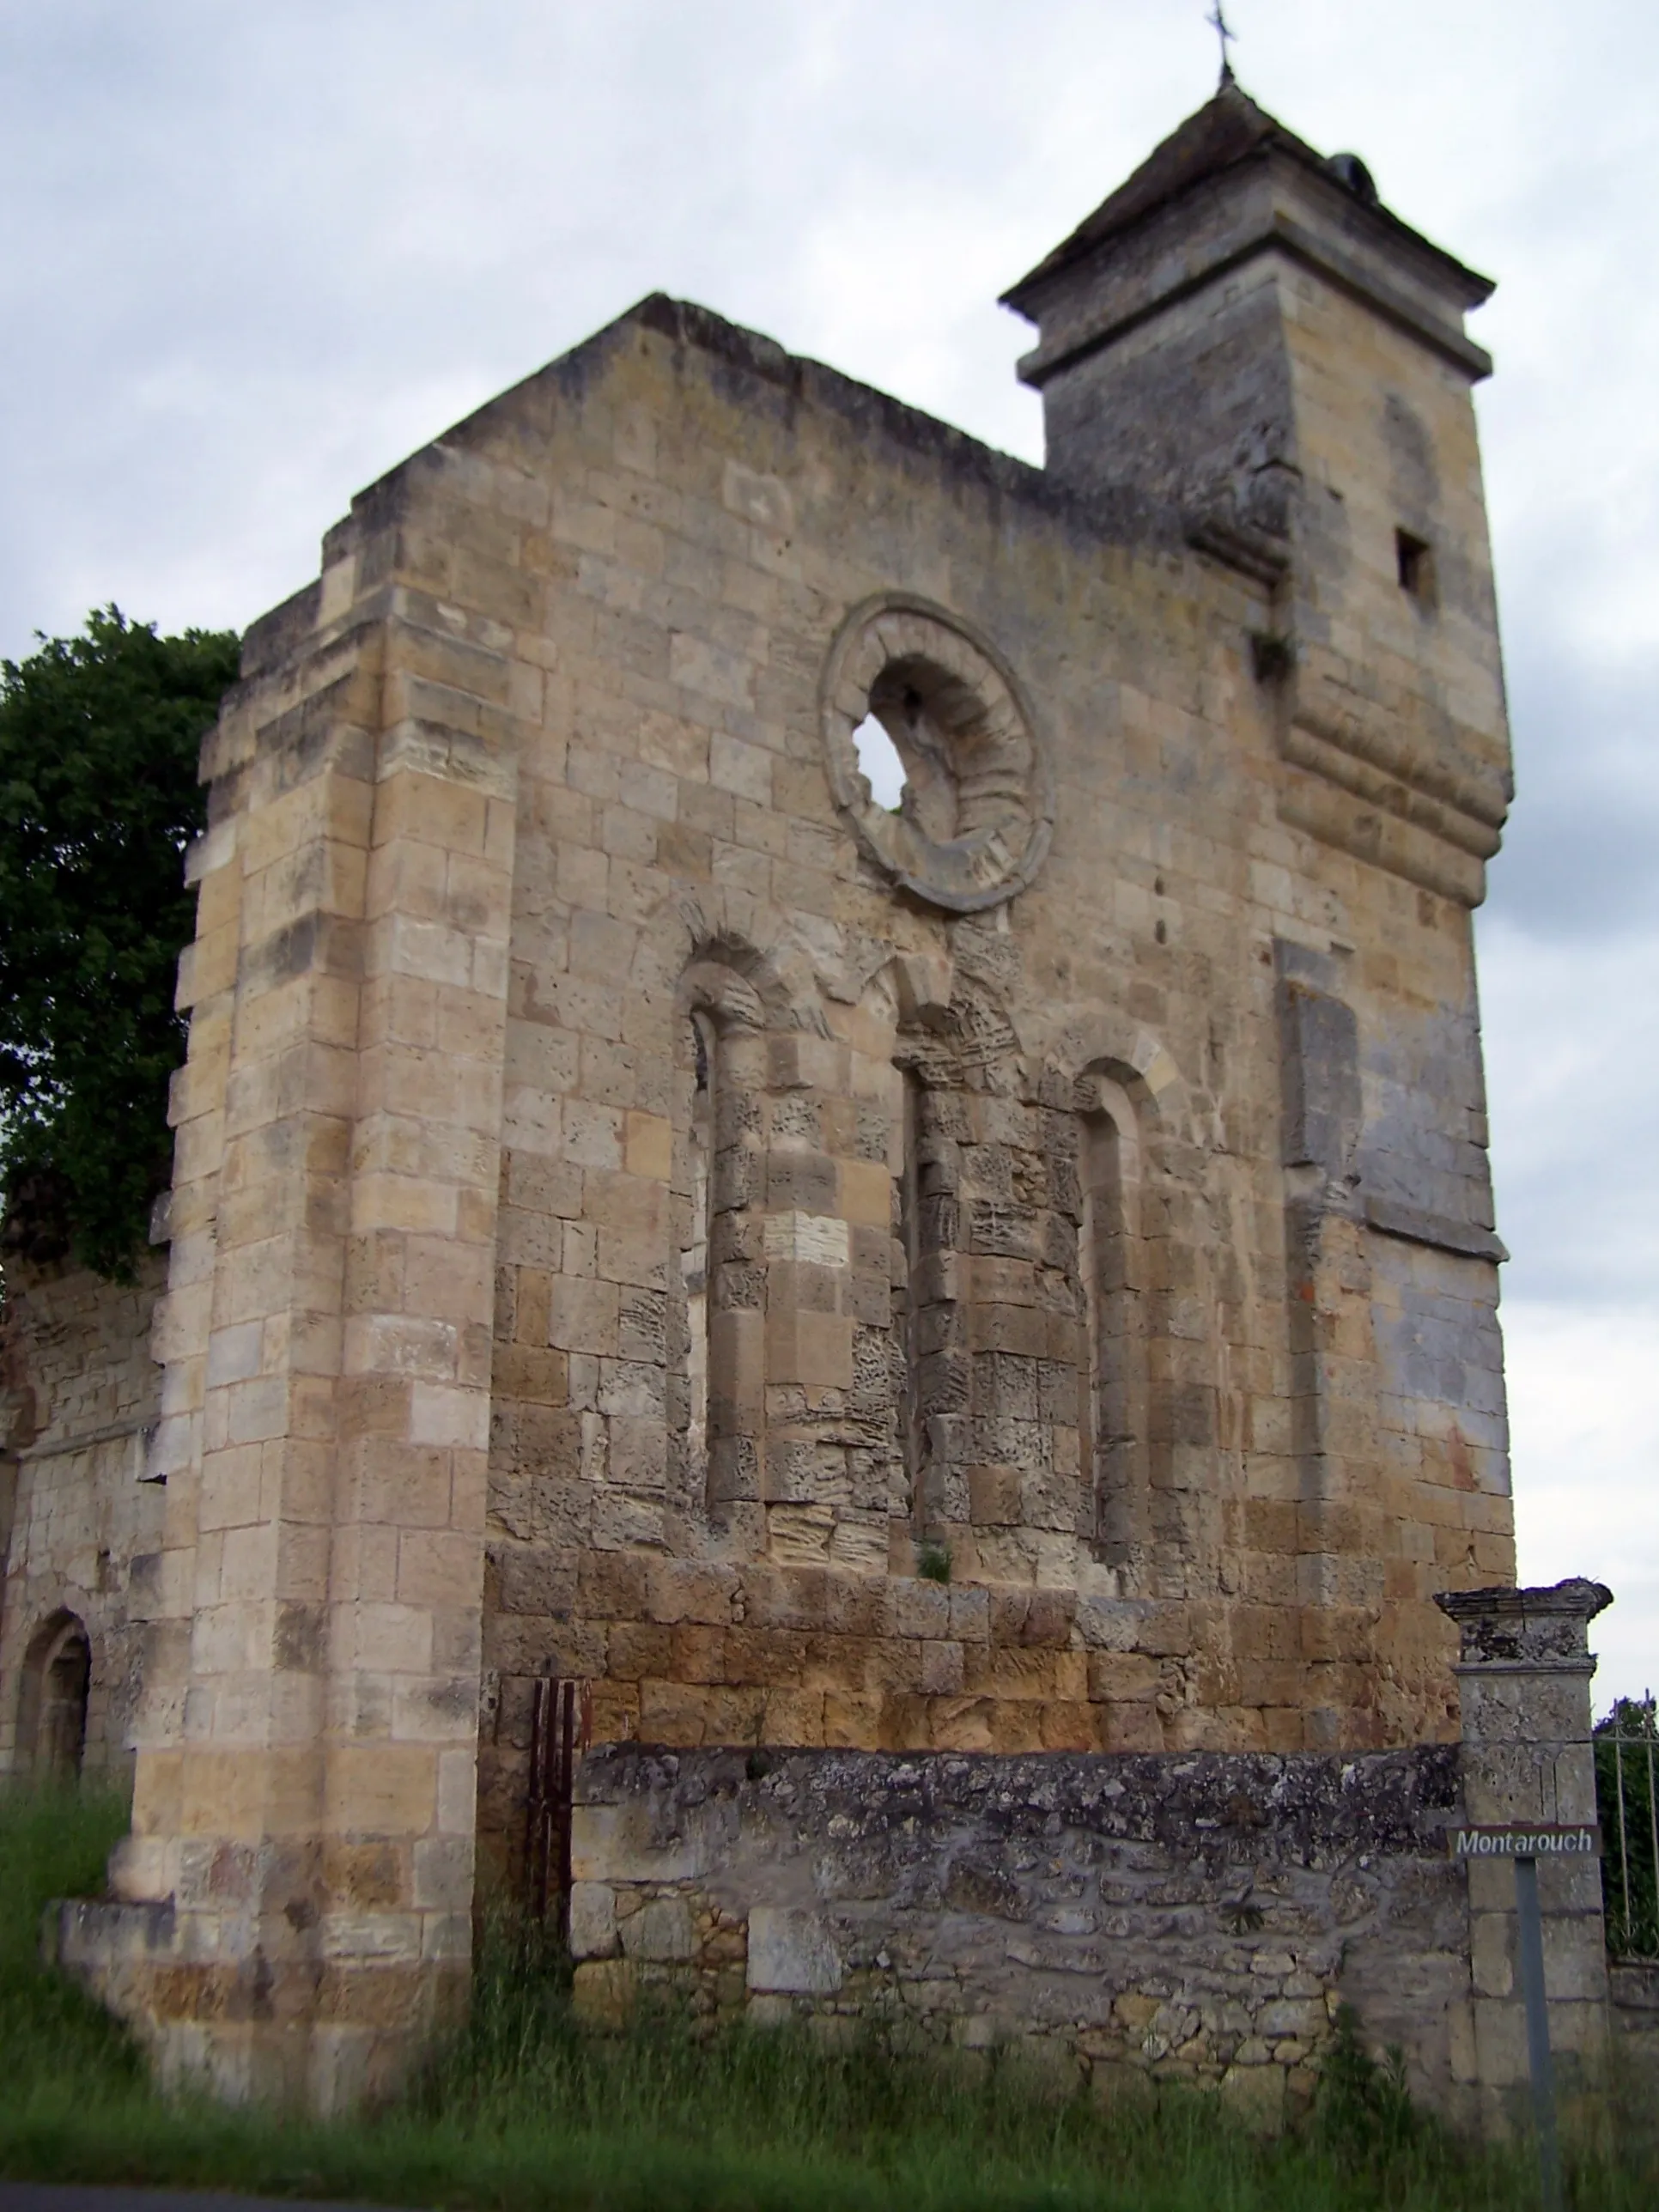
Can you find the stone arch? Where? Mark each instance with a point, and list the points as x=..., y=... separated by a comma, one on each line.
x=752, y=940
x=1100, y=1041
x=955, y=1029
x=716, y=985
x=56, y=1691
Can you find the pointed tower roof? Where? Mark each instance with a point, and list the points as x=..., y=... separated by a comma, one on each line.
x=1229, y=130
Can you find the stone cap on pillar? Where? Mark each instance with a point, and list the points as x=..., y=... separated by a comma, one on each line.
x=1543, y=1627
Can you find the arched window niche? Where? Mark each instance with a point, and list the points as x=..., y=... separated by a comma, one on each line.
x=57, y=1692
x=717, y=1378
x=1110, y=1267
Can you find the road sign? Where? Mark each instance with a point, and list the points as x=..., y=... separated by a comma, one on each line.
x=1542, y=1840
x=1524, y=1845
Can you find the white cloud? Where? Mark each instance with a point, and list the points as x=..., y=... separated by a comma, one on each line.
x=1572, y=1074
x=1586, y=1417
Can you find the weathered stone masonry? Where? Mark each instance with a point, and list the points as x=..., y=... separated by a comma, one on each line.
x=638, y=1202
x=1200, y=1918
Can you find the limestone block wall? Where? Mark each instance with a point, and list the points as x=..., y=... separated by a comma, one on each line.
x=1239, y=1543
x=1198, y=1919
x=79, y=1529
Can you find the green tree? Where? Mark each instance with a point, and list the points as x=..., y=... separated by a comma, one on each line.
x=1628, y=1800
x=98, y=797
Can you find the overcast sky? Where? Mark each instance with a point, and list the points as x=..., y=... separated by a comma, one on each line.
x=251, y=256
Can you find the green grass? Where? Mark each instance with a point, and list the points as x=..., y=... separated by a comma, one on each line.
x=523, y=2108
x=52, y=2039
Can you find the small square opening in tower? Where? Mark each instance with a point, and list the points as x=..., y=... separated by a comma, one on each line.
x=1415, y=558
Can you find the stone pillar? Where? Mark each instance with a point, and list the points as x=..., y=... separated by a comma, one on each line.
x=292, y=1908
x=1524, y=1680
x=221, y=1956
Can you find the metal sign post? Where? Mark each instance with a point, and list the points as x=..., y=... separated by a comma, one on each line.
x=1530, y=1929
x=1526, y=1846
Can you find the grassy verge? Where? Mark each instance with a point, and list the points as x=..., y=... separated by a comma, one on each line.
x=524, y=2110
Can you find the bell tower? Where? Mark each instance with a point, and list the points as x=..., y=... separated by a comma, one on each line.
x=1244, y=338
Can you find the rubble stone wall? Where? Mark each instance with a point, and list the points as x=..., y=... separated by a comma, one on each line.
x=1200, y=1918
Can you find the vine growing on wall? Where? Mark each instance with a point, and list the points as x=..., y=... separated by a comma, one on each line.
x=99, y=740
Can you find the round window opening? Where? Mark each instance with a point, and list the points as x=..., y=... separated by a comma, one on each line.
x=933, y=757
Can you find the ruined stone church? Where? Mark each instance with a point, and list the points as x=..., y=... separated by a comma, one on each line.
x=965, y=1326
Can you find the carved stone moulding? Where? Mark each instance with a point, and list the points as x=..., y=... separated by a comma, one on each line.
x=977, y=811
x=1395, y=783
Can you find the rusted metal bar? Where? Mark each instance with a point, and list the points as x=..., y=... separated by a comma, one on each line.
x=536, y=1804
x=567, y=1791
x=560, y=1727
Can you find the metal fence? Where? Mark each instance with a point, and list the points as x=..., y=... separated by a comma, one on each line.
x=1627, y=1791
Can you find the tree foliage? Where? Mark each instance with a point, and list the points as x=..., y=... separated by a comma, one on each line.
x=99, y=740
x=1627, y=1802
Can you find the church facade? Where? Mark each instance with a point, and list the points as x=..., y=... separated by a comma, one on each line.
x=1004, y=1276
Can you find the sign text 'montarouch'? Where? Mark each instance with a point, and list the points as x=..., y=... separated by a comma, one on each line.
x=1579, y=1840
